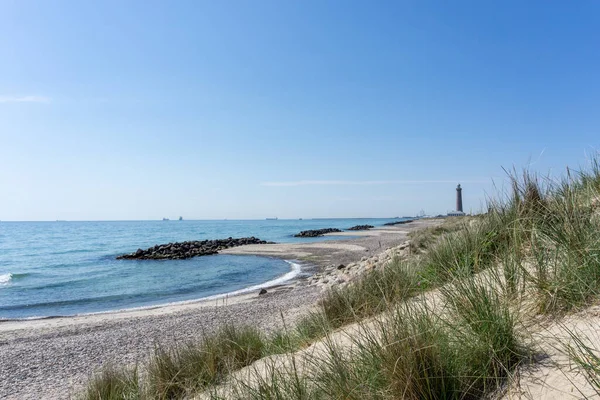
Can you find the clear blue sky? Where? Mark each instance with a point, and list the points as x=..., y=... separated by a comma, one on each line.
x=312, y=108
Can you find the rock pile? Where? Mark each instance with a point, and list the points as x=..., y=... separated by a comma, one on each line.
x=342, y=275
x=361, y=228
x=183, y=250
x=398, y=222
x=316, y=232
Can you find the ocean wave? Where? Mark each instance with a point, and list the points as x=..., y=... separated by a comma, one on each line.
x=74, y=251
x=5, y=279
x=22, y=275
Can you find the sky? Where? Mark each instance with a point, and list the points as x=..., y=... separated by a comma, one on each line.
x=135, y=110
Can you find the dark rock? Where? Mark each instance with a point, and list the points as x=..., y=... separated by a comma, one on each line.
x=316, y=232
x=398, y=222
x=361, y=228
x=184, y=250
x=341, y=266
x=262, y=291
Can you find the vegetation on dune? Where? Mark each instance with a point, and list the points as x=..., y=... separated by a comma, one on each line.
x=586, y=358
x=413, y=353
x=113, y=383
x=540, y=242
x=370, y=295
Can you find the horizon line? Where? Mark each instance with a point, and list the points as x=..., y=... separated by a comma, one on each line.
x=374, y=182
x=205, y=219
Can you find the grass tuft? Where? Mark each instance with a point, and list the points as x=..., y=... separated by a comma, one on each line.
x=113, y=383
x=372, y=294
x=177, y=372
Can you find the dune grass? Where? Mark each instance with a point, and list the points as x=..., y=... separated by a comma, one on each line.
x=413, y=352
x=586, y=358
x=114, y=383
x=175, y=372
x=422, y=239
x=371, y=294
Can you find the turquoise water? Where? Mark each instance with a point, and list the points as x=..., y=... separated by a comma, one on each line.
x=68, y=268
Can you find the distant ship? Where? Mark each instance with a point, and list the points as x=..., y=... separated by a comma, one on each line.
x=272, y=219
x=181, y=218
x=165, y=219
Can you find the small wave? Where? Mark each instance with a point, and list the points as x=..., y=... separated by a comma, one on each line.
x=5, y=278
x=19, y=276
x=76, y=251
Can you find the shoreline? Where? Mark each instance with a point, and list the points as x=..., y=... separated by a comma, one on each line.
x=278, y=280
x=54, y=357
x=295, y=270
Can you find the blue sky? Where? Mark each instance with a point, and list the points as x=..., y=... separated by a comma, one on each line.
x=249, y=109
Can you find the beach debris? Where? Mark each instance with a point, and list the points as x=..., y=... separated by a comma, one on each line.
x=317, y=232
x=361, y=228
x=184, y=250
x=262, y=291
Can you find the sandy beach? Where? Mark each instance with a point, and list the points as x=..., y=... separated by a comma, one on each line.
x=52, y=358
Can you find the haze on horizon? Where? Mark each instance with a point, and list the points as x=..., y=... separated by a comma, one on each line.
x=244, y=110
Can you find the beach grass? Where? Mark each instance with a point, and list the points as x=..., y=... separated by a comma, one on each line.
x=371, y=294
x=114, y=383
x=585, y=357
x=422, y=239
x=181, y=370
x=412, y=352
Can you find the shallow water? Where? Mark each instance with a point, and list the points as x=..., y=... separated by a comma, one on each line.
x=67, y=268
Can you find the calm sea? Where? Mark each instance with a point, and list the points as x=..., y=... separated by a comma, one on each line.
x=68, y=268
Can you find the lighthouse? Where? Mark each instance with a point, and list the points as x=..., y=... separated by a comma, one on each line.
x=459, y=206
x=459, y=198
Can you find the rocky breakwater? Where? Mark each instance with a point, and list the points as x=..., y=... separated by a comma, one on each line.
x=361, y=228
x=183, y=250
x=398, y=222
x=317, y=232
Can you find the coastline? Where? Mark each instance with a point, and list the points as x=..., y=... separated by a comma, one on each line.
x=295, y=270
x=53, y=357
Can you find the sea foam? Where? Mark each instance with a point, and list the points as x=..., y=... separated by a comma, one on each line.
x=5, y=278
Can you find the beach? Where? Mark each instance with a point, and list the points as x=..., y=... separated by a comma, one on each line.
x=53, y=358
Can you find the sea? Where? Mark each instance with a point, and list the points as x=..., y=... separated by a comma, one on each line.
x=65, y=268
